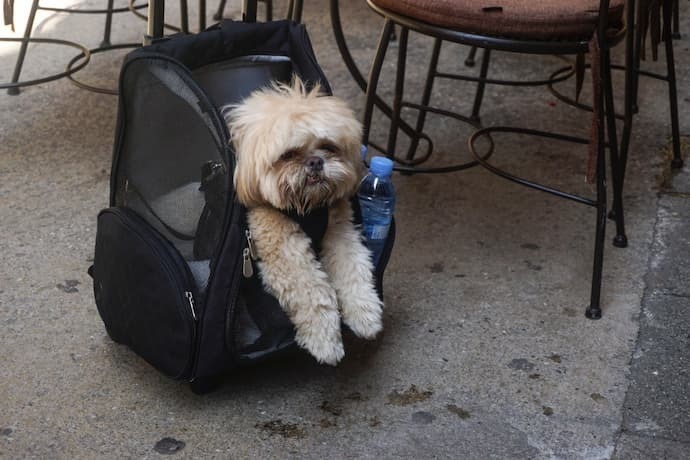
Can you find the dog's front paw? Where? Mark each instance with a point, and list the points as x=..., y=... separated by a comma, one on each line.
x=320, y=335
x=362, y=313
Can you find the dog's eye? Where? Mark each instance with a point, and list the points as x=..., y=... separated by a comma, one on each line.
x=329, y=147
x=289, y=155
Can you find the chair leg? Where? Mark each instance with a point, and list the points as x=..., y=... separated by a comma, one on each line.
x=184, y=16
x=594, y=309
x=219, y=12
x=374, y=75
x=469, y=60
x=108, y=25
x=629, y=101
x=620, y=240
x=269, y=10
x=297, y=12
x=637, y=55
x=399, y=90
x=479, y=95
x=677, y=161
x=202, y=15
x=426, y=97
x=676, y=20
x=22, y=50
x=618, y=167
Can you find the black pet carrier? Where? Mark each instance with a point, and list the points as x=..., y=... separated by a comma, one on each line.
x=167, y=269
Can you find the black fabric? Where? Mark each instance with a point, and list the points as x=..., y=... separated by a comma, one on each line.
x=314, y=224
x=229, y=39
x=141, y=287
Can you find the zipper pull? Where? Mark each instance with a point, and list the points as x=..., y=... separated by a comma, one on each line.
x=250, y=244
x=247, y=269
x=190, y=299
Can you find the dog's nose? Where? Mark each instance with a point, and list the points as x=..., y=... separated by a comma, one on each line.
x=314, y=163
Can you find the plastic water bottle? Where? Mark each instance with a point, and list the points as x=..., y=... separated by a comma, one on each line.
x=377, y=200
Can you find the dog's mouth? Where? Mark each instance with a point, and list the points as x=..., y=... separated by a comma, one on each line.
x=314, y=178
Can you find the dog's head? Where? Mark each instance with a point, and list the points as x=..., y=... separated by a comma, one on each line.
x=296, y=150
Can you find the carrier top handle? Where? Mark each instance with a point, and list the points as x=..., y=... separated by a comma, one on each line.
x=156, y=18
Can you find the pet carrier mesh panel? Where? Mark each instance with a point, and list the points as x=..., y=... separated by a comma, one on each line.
x=166, y=166
x=168, y=262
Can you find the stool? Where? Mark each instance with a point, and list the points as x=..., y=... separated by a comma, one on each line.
x=14, y=84
x=83, y=58
x=523, y=26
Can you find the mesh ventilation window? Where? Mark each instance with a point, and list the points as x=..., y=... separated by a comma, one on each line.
x=171, y=168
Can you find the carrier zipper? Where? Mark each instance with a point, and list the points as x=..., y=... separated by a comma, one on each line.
x=247, y=269
x=190, y=299
x=248, y=255
x=250, y=244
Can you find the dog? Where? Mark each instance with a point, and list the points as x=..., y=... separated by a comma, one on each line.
x=296, y=151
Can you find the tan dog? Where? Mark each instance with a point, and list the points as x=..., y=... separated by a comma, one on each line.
x=296, y=151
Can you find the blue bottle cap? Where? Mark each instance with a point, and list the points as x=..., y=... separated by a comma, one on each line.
x=381, y=166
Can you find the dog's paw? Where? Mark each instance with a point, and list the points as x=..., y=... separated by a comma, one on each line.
x=320, y=336
x=363, y=315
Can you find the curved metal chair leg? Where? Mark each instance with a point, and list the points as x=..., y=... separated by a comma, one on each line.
x=426, y=97
x=22, y=50
x=374, y=75
x=630, y=63
x=469, y=60
x=676, y=20
x=108, y=25
x=202, y=15
x=399, y=90
x=677, y=161
x=184, y=17
x=602, y=103
x=479, y=95
x=219, y=12
x=620, y=240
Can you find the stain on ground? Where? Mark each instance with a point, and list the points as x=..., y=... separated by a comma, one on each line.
x=437, y=267
x=69, y=287
x=374, y=421
x=534, y=376
x=326, y=423
x=459, y=411
x=355, y=396
x=331, y=408
x=555, y=358
x=570, y=312
x=423, y=418
x=521, y=364
x=547, y=411
x=5, y=431
x=529, y=246
x=597, y=397
x=168, y=446
x=533, y=266
x=410, y=396
x=286, y=430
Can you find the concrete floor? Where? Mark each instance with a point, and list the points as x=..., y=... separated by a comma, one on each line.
x=486, y=351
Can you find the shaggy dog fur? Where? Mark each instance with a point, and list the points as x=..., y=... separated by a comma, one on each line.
x=297, y=150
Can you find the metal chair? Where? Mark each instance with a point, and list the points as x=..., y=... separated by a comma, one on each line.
x=575, y=28
x=76, y=63
x=14, y=84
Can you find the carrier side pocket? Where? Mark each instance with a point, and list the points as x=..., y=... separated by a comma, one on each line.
x=145, y=292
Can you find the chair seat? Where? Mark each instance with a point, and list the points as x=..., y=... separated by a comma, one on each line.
x=518, y=19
